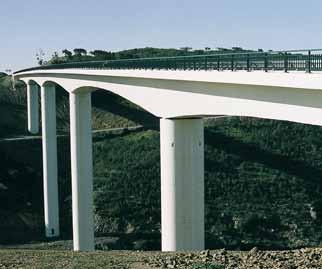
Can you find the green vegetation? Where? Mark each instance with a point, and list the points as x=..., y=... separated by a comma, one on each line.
x=12, y=108
x=2, y=75
x=264, y=182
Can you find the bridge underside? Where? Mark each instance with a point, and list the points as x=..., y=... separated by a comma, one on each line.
x=172, y=94
x=181, y=100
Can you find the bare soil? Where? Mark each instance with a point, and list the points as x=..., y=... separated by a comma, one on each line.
x=307, y=258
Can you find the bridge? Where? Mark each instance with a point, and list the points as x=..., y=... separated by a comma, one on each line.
x=181, y=91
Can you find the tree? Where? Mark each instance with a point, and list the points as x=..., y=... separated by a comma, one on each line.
x=198, y=52
x=186, y=49
x=3, y=74
x=223, y=49
x=67, y=53
x=80, y=52
x=102, y=54
x=40, y=55
x=55, y=59
x=55, y=55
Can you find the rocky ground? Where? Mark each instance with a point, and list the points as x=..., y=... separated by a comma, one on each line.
x=253, y=259
x=39, y=257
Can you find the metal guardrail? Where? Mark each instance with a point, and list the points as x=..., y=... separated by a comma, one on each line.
x=292, y=60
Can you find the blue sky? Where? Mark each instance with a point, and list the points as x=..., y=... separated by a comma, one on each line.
x=52, y=25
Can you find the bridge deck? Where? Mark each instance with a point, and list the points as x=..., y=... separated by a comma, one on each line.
x=292, y=79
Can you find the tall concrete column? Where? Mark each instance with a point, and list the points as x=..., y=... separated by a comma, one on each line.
x=33, y=107
x=49, y=144
x=82, y=171
x=182, y=184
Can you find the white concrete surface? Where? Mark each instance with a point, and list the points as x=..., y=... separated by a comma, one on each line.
x=82, y=171
x=49, y=144
x=293, y=79
x=294, y=96
x=182, y=184
x=33, y=107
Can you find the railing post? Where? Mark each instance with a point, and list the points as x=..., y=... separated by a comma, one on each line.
x=285, y=62
x=206, y=68
x=218, y=63
x=265, y=62
x=232, y=62
x=248, y=63
x=184, y=63
x=309, y=63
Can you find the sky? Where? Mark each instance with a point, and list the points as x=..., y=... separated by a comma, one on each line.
x=53, y=25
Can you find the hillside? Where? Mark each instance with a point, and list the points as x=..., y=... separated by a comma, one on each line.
x=263, y=178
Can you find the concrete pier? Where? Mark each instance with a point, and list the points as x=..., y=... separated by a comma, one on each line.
x=82, y=171
x=33, y=107
x=182, y=184
x=49, y=144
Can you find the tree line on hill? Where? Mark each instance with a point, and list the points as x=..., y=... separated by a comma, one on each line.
x=81, y=54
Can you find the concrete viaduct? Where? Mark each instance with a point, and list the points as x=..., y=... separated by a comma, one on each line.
x=180, y=91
